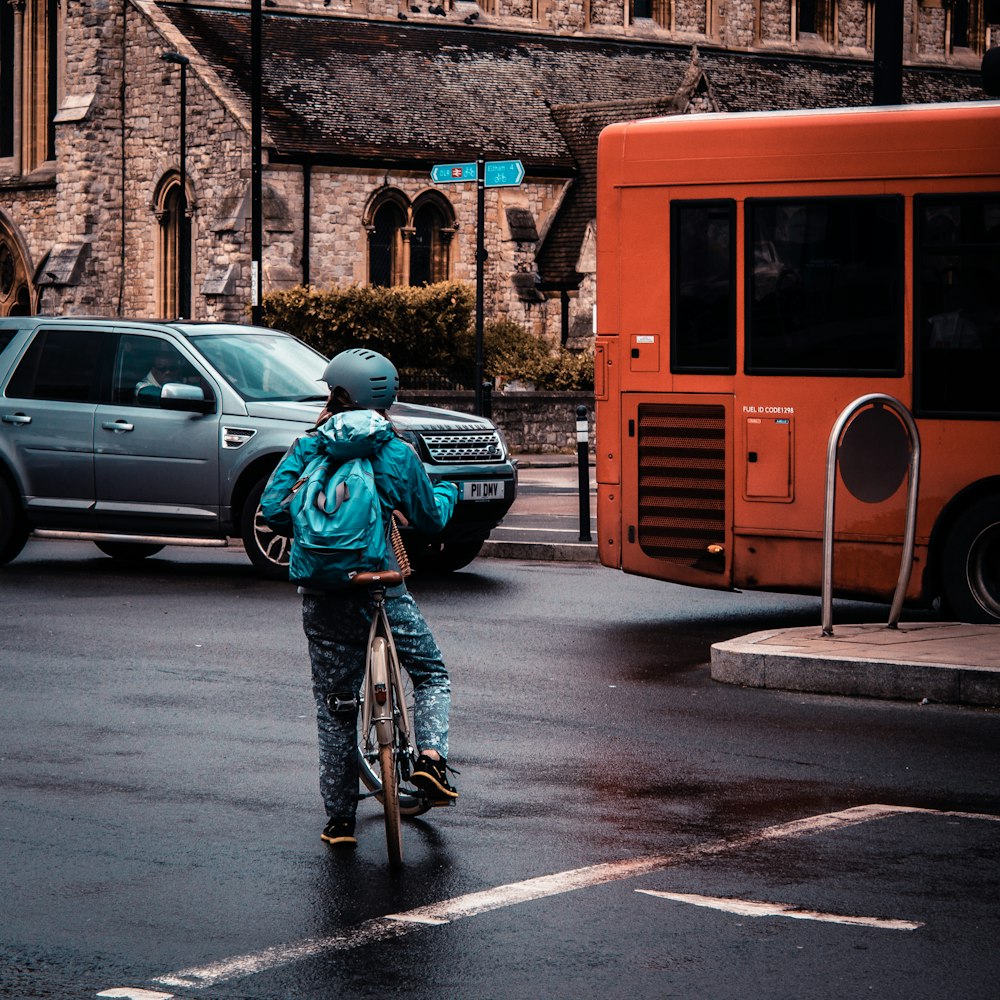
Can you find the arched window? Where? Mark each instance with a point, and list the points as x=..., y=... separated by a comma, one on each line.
x=15, y=293
x=168, y=247
x=385, y=245
x=429, y=244
x=409, y=244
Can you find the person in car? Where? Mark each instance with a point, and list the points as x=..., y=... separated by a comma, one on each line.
x=166, y=368
x=336, y=622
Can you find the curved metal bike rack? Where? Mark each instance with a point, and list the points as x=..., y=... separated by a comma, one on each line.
x=913, y=476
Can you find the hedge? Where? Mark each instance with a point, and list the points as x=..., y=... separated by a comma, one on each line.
x=418, y=327
x=428, y=333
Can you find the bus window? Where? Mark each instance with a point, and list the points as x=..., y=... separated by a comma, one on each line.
x=702, y=287
x=957, y=316
x=824, y=286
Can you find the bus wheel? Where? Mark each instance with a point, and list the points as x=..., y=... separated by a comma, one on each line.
x=971, y=564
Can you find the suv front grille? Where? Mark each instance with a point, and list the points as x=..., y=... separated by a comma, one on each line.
x=682, y=483
x=464, y=446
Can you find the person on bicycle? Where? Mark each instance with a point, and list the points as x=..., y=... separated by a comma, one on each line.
x=336, y=622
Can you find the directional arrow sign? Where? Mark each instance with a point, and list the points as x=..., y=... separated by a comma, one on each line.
x=452, y=173
x=503, y=173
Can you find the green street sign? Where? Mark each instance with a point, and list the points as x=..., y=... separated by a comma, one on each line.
x=503, y=173
x=453, y=173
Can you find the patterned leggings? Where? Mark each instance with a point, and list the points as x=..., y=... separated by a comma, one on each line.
x=337, y=629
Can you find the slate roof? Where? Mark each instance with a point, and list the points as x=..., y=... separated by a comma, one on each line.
x=355, y=91
x=347, y=91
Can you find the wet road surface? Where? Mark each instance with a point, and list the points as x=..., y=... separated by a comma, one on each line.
x=160, y=816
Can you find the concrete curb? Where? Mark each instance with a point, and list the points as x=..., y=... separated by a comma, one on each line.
x=793, y=660
x=540, y=551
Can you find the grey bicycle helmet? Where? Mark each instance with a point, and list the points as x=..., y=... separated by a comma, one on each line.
x=370, y=379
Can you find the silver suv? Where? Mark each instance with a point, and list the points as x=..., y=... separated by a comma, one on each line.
x=136, y=435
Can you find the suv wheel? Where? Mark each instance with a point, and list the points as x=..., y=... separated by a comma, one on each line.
x=13, y=527
x=268, y=551
x=443, y=557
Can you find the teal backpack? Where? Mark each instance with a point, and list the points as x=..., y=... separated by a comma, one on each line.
x=337, y=523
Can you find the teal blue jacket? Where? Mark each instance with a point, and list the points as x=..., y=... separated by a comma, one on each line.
x=400, y=478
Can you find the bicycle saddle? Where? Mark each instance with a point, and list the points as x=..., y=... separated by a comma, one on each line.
x=382, y=578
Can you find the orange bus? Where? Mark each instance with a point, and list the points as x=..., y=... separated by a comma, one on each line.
x=757, y=274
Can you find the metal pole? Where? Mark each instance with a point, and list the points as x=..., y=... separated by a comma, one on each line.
x=480, y=263
x=184, y=296
x=583, y=464
x=888, y=44
x=257, y=220
x=910, y=529
x=910, y=537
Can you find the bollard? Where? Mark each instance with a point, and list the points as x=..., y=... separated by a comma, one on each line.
x=487, y=400
x=583, y=461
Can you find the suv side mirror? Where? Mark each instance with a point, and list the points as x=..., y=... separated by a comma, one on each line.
x=189, y=398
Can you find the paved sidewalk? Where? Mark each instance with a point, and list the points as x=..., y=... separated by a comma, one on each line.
x=927, y=661
x=937, y=661
x=544, y=523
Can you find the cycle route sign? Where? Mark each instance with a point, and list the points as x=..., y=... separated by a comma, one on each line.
x=496, y=173
x=453, y=173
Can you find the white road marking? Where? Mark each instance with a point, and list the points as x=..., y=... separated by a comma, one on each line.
x=411, y=919
x=398, y=924
x=753, y=908
x=131, y=993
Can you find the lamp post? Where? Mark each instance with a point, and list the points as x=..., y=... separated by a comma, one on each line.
x=256, y=180
x=183, y=227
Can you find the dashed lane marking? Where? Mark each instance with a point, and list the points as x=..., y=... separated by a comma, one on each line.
x=755, y=908
x=398, y=924
x=131, y=993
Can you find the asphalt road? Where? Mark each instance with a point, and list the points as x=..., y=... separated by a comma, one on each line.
x=159, y=818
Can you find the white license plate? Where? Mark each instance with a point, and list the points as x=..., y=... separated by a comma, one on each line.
x=482, y=491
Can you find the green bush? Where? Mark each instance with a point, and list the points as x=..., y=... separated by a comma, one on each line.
x=419, y=327
x=510, y=352
x=426, y=330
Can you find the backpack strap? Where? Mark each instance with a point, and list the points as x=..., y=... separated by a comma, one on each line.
x=341, y=493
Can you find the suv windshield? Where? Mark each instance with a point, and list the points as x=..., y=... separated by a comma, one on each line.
x=263, y=366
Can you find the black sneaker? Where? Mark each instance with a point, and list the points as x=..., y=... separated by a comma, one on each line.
x=431, y=777
x=339, y=832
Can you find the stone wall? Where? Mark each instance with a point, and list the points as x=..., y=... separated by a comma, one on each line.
x=217, y=167
x=532, y=422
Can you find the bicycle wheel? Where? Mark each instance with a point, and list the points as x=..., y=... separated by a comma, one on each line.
x=410, y=803
x=390, y=804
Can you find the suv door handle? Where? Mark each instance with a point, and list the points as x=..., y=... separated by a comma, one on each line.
x=118, y=426
x=16, y=418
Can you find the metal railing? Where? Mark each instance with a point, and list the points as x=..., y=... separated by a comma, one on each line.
x=875, y=399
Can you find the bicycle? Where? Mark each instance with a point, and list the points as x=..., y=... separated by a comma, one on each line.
x=386, y=754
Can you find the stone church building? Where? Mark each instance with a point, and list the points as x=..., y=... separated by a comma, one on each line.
x=360, y=99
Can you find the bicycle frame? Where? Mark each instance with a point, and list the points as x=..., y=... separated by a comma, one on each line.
x=384, y=707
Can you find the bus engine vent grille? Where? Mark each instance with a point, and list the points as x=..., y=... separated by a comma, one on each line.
x=682, y=483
